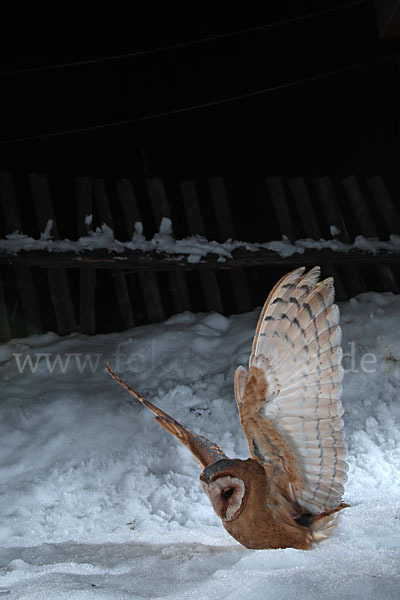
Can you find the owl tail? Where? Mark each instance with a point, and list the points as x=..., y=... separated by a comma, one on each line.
x=325, y=523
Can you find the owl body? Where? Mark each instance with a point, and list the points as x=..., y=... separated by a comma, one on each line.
x=255, y=524
x=288, y=492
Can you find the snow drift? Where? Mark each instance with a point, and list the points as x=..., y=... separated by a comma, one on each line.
x=98, y=501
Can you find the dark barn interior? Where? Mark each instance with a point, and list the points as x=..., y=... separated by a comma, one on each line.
x=248, y=130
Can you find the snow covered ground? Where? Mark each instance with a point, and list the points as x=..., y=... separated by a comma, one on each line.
x=98, y=501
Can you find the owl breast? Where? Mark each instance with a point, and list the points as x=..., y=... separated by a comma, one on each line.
x=259, y=529
x=239, y=492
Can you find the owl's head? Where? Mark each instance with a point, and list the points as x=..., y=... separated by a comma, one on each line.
x=226, y=490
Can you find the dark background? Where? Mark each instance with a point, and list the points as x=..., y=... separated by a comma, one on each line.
x=307, y=89
x=338, y=124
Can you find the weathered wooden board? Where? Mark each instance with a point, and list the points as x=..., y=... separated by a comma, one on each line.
x=281, y=206
x=118, y=276
x=161, y=208
x=312, y=230
x=367, y=227
x=226, y=228
x=209, y=283
x=59, y=287
x=355, y=281
x=25, y=283
x=148, y=279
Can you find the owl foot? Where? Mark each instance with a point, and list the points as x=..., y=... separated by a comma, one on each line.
x=325, y=523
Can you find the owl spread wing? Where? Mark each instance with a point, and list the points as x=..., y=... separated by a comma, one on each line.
x=204, y=451
x=289, y=400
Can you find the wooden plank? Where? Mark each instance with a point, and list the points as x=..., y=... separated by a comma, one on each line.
x=5, y=331
x=312, y=230
x=87, y=277
x=367, y=227
x=192, y=209
x=333, y=215
x=118, y=277
x=87, y=311
x=9, y=203
x=123, y=298
x=330, y=206
x=102, y=203
x=148, y=280
x=84, y=200
x=43, y=203
x=385, y=204
x=304, y=208
x=25, y=285
x=360, y=207
x=281, y=206
x=152, y=296
x=161, y=208
x=226, y=230
x=129, y=205
x=341, y=292
x=61, y=300
x=28, y=298
x=219, y=197
x=158, y=199
x=58, y=281
x=209, y=283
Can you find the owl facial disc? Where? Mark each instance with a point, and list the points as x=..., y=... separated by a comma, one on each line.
x=226, y=494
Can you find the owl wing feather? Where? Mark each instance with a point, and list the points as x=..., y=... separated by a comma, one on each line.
x=289, y=400
x=204, y=451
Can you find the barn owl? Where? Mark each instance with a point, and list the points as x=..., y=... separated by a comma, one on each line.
x=287, y=493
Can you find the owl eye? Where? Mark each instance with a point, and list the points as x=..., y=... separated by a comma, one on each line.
x=227, y=493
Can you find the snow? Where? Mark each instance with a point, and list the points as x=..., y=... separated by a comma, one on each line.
x=98, y=501
x=194, y=247
x=334, y=230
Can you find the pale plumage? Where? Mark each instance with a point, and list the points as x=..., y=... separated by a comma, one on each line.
x=290, y=412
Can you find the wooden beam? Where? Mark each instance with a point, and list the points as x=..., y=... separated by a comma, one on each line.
x=137, y=260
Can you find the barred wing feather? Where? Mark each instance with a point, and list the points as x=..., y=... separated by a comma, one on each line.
x=293, y=389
